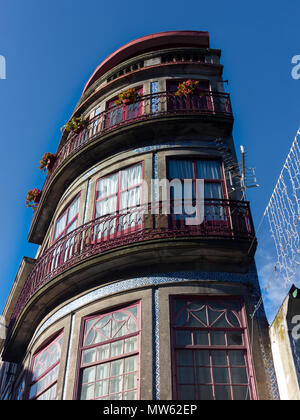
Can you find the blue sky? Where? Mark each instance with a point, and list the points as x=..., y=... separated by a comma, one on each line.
x=52, y=47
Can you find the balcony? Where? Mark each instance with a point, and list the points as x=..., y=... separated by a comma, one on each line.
x=224, y=220
x=147, y=107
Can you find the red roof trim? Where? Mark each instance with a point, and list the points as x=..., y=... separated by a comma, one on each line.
x=170, y=38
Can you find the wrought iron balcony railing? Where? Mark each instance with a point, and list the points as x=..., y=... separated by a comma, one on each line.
x=145, y=108
x=222, y=219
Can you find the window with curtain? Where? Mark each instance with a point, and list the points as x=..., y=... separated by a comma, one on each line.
x=65, y=224
x=45, y=371
x=120, y=113
x=117, y=195
x=210, y=350
x=68, y=220
x=109, y=362
x=208, y=170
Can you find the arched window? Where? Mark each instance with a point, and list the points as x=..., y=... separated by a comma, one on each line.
x=109, y=355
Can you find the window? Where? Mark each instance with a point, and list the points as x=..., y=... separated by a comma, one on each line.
x=109, y=367
x=68, y=220
x=210, y=350
x=45, y=371
x=214, y=187
x=120, y=113
x=116, y=196
x=66, y=223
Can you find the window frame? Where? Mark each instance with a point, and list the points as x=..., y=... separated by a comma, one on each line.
x=82, y=348
x=208, y=180
x=245, y=346
x=41, y=349
x=62, y=213
x=117, y=193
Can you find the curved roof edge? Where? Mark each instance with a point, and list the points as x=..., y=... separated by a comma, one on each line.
x=148, y=42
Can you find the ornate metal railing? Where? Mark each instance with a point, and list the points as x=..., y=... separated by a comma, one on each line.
x=147, y=107
x=222, y=219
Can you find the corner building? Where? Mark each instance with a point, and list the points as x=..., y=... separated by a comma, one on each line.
x=126, y=303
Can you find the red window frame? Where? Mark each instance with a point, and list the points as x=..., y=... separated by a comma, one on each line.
x=122, y=113
x=109, y=342
x=67, y=225
x=207, y=180
x=225, y=216
x=117, y=193
x=212, y=349
x=43, y=350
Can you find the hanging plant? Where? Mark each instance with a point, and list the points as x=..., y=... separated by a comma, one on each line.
x=47, y=161
x=75, y=124
x=33, y=198
x=127, y=97
x=188, y=87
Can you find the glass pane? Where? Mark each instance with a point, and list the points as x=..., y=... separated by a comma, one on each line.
x=60, y=225
x=89, y=356
x=219, y=357
x=241, y=393
x=102, y=371
x=107, y=186
x=217, y=338
x=131, y=364
x=116, y=368
x=130, y=381
x=115, y=397
x=221, y=375
x=233, y=319
x=131, y=395
x=89, y=374
x=202, y=358
x=182, y=169
x=103, y=352
x=186, y=392
x=101, y=388
x=237, y=358
x=201, y=338
x=203, y=375
x=208, y=169
x=87, y=392
x=239, y=376
x=186, y=375
x=185, y=358
x=205, y=393
x=115, y=384
x=106, y=206
x=131, y=176
x=73, y=209
x=235, y=338
x=130, y=344
x=223, y=392
x=117, y=348
x=183, y=338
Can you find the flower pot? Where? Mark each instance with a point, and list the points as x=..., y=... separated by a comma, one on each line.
x=127, y=101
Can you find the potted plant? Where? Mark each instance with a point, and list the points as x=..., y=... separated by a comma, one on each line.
x=33, y=198
x=75, y=124
x=188, y=87
x=127, y=97
x=47, y=161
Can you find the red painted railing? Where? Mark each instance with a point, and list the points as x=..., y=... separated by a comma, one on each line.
x=223, y=219
x=147, y=107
